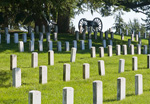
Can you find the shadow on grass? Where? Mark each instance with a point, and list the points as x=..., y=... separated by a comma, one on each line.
x=109, y=100
x=128, y=95
x=4, y=77
x=63, y=61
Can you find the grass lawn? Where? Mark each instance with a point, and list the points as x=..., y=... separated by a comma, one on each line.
x=83, y=89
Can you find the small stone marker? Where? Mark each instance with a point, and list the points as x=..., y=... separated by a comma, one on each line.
x=67, y=48
x=68, y=95
x=124, y=49
x=55, y=36
x=48, y=36
x=93, y=52
x=43, y=29
x=104, y=43
x=50, y=57
x=86, y=71
x=34, y=97
x=75, y=44
x=101, y=35
x=82, y=45
x=31, y=45
x=41, y=36
x=73, y=55
x=106, y=35
x=16, y=38
x=121, y=65
x=112, y=35
x=138, y=49
x=148, y=61
x=21, y=46
x=8, y=39
x=34, y=61
x=40, y=45
x=32, y=37
x=36, y=29
x=129, y=42
x=13, y=61
x=121, y=88
x=126, y=32
x=16, y=74
x=101, y=67
x=101, y=51
x=77, y=35
x=24, y=37
x=145, y=49
x=137, y=37
x=122, y=36
x=97, y=92
x=66, y=72
x=109, y=50
x=90, y=43
x=43, y=74
x=59, y=46
x=111, y=42
x=50, y=45
x=138, y=84
x=118, y=50
x=132, y=49
x=134, y=63
x=145, y=35
x=132, y=37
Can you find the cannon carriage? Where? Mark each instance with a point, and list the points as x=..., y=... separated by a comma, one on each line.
x=85, y=24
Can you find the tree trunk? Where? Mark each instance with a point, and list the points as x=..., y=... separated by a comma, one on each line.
x=63, y=21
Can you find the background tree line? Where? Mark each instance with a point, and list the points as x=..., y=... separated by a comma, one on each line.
x=40, y=12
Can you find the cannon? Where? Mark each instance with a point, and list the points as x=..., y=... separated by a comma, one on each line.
x=96, y=24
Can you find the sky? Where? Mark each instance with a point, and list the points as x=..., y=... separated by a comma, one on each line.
x=107, y=21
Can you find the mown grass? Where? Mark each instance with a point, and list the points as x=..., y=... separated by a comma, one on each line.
x=83, y=91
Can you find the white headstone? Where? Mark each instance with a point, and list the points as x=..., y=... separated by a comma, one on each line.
x=124, y=49
x=132, y=37
x=134, y=63
x=67, y=48
x=73, y=55
x=59, y=46
x=145, y=49
x=132, y=49
x=75, y=44
x=16, y=38
x=34, y=97
x=101, y=51
x=90, y=43
x=50, y=45
x=48, y=37
x=68, y=95
x=121, y=65
x=121, y=88
x=138, y=84
x=55, y=36
x=101, y=67
x=31, y=45
x=24, y=37
x=16, y=75
x=50, y=57
x=97, y=92
x=40, y=45
x=118, y=50
x=43, y=29
x=138, y=49
x=93, y=52
x=86, y=71
x=34, y=61
x=66, y=72
x=21, y=46
x=32, y=37
x=104, y=43
x=13, y=61
x=43, y=74
x=109, y=50
x=41, y=36
x=82, y=45
x=8, y=38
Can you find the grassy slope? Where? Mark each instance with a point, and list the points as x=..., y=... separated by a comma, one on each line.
x=52, y=91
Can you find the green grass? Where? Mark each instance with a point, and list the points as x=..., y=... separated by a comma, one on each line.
x=83, y=91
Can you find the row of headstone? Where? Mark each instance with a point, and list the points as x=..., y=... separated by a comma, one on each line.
x=68, y=92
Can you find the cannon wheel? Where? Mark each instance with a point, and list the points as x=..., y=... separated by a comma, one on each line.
x=82, y=23
x=97, y=23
